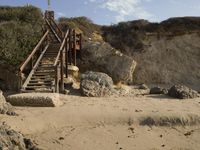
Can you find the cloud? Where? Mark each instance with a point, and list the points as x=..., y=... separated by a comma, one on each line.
x=125, y=8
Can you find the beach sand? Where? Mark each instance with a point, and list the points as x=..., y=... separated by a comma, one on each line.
x=154, y=122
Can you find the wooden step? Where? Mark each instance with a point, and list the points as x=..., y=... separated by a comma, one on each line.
x=35, y=91
x=39, y=84
x=42, y=78
x=44, y=71
x=38, y=87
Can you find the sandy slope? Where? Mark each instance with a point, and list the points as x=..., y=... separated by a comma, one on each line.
x=110, y=124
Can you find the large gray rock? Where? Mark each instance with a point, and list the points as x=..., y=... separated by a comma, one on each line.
x=35, y=99
x=182, y=92
x=158, y=90
x=100, y=56
x=5, y=108
x=96, y=84
x=12, y=140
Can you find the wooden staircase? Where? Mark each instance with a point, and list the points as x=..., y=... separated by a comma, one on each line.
x=50, y=59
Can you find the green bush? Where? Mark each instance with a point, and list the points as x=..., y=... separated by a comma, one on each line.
x=20, y=30
x=82, y=23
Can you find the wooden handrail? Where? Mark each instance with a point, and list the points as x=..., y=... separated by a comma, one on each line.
x=61, y=48
x=54, y=32
x=34, y=51
x=56, y=26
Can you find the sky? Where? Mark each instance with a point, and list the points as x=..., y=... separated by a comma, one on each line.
x=106, y=12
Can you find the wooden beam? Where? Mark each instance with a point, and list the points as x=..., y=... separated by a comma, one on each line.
x=74, y=47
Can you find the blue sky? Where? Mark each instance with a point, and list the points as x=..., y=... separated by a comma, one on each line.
x=113, y=11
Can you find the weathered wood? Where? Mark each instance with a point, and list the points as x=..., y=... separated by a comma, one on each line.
x=61, y=72
x=54, y=33
x=56, y=79
x=58, y=29
x=74, y=47
x=70, y=46
x=80, y=40
x=61, y=48
x=66, y=56
x=33, y=52
x=34, y=68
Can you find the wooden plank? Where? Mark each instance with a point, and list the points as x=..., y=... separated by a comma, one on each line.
x=34, y=68
x=74, y=47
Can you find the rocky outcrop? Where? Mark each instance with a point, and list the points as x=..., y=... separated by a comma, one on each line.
x=100, y=56
x=96, y=84
x=182, y=92
x=12, y=140
x=5, y=108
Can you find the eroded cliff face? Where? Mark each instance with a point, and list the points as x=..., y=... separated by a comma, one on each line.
x=169, y=60
x=166, y=52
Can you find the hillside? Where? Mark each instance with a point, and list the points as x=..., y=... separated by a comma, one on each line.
x=17, y=25
x=20, y=30
x=166, y=52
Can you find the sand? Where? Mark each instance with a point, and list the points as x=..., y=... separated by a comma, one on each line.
x=112, y=123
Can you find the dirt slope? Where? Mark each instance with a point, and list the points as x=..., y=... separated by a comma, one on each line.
x=166, y=53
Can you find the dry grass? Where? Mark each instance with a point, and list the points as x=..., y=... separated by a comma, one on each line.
x=175, y=120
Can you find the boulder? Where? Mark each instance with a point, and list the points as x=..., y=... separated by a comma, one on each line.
x=96, y=84
x=101, y=57
x=5, y=108
x=12, y=140
x=158, y=90
x=35, y=99
x=143, y=87
x=182, y=92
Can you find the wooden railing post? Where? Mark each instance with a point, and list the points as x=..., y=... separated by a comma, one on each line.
x=80, y=41
x=66, y=56
x=20, y=82
x=74, y=47
x=56, y=79
x=61, y=72
x=70, y=46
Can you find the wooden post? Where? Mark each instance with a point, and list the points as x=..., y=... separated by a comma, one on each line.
x=20, y=81
x=32, y=63
x=66, y=56
x=74, y=47
x=80, y=41
x=56, y=79
x=61, y=72
x=70, y=46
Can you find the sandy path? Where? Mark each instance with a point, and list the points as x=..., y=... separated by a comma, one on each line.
x=109, y=124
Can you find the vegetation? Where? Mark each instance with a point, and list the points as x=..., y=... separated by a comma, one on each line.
x=20, y=30
x=83, y=24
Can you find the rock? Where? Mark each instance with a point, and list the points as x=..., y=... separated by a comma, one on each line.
x=125, y=90
x=182, y=92
x=143, y=87
x=100, y=56
x=5, y=108
x=158, y=90
x=35, y=99
x=12, y=140
x=96, y=84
